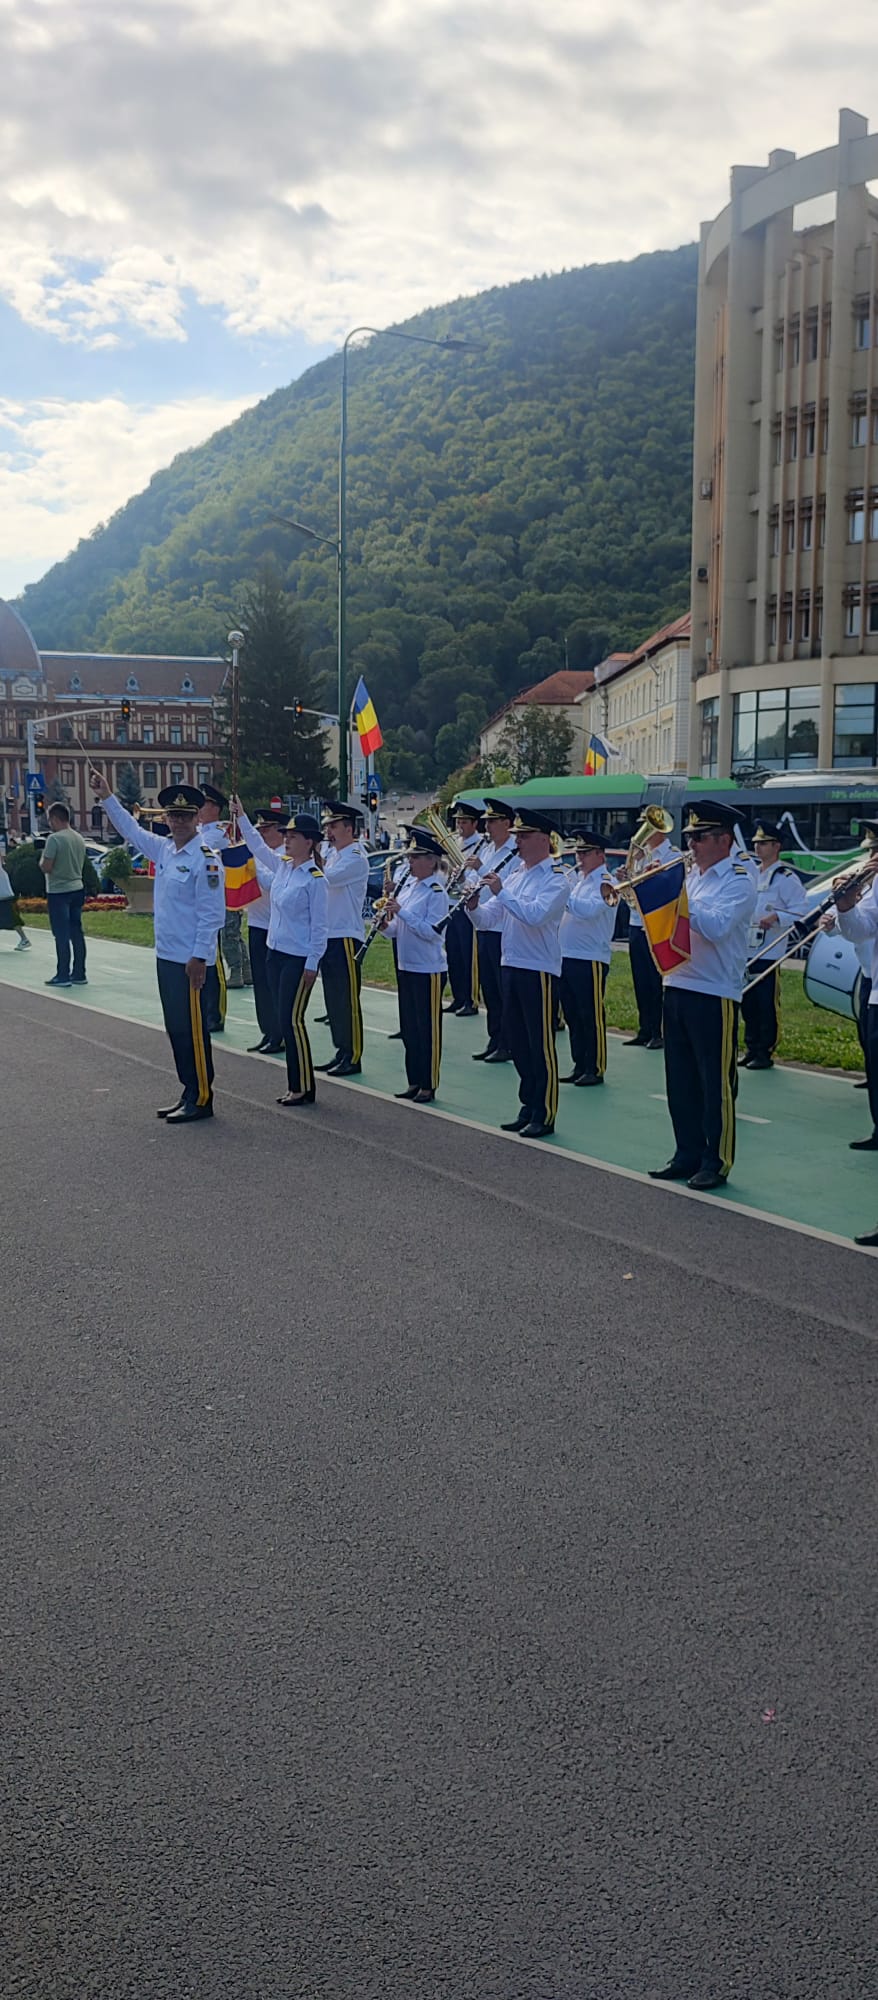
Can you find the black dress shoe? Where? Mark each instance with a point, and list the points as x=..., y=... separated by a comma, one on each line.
x=744, y=1062
x=346, y=1069
x=870, y=1240
x=535, y=1131
x=258, y=1048
x=587, y=1082
x=273, y=1049
x=635, y=1042
x=760, y=1062
x=482, y=1055
x=464, y=1013
x=705, y=1179
x=424, y=1096
x=291, y=1103
x=169, y=1108
x=672, y=1172
x=451, y=1008
x=397, y=1036
x=518, y=1124
x=862, y=1085
x=327, y=1067
x=407, y=1093
x=499, y=1056
x=865, y=1145
x=572, y=1078
x=189, y=1114
x=655, y=1042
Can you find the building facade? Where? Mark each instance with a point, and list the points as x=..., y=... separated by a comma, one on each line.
x=639, y=705
x=785, y=488
x=561, y=692
x=170, y=734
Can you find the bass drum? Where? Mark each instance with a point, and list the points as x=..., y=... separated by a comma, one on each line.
x=832, y=975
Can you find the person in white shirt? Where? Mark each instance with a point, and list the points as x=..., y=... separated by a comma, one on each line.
x=270, y=823
x=296, y=936
x=780, y=903
x=701, y=1002
x=652, y=846
x=346, y=867
x=10, y=914
x=460, y=942
x=216, y=996
x=415, y=919
x=189, y=907
x=527, y=910
x=498, y=852
x=858, y=921
x=586, y=945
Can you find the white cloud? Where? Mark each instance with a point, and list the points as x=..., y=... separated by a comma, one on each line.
x=310, y=167
x=66, y=466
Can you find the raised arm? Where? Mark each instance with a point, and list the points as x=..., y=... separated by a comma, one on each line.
x=150, y=845
x=270, y=857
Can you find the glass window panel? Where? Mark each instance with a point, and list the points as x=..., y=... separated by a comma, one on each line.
x=805, y=697
x=771, y=740
x=743, y=735
x=855, y=525
x=771, y=698
x=854, y=694
x=745, y=704
x=803, y=738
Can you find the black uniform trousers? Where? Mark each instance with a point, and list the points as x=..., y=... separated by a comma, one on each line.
x=647, y=985
x=420, y=1022
x=872, y=1063
x=489, y=946
x=216, y=994
x=530, y=1000
x=582, y=997
x=761, y=1010
x=290, y=1004
x=864, y=990
x=341, y=976
x=185, y=1015
x=257, y=938
x=701, y=1070
x=463, y=960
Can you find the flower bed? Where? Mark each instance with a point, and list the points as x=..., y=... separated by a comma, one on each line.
x=35, y=904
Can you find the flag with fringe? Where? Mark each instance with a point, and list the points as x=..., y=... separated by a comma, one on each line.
x=661, y=898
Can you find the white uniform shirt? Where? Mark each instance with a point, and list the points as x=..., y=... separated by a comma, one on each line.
x=588, y=922
x=665, y=852
x=860, y=925
x=528, y=911
x=189, y=901
x=721, y=905
x=418, y=945
x=214, y=835
x=489, y=859
x=777, y=888
x=347, y=873
x=299, y=907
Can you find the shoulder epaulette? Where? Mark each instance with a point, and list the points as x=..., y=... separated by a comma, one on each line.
x=738, y=869
x=315, y=870
x=558, y=868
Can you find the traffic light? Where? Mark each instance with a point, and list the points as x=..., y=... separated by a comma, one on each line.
x=373, y=798
x=126, y=710
x=298, y=708
x=40, y=801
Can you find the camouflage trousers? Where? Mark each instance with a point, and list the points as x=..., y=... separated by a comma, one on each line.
x=234, y=947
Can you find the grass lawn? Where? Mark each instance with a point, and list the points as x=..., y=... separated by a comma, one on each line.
x=808, y=1034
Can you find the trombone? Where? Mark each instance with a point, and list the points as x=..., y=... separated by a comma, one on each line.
x=856, y=875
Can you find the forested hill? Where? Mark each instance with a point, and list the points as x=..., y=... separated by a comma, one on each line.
x=500, y=502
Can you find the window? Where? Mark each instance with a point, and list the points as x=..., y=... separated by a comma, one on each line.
x=854, y=734
x=778, y=351
x=812, y=338
x=709, y=737
x=121, y=732
x=792, y=439
x=94, y=734
x=807, y=531
x=176, y=774
x=74, y=684
x=777, y=441
x=203, y=736
x=771, y=624
x=794, y=347
x=68, y=774
x=790, y=534
x=774, y=538
x=852, y=617
x=804, y=620
x=858, y=427
x=776, y=728
x=176, y=733
x=132, y=685
x=148, y=733
x=203, y=774
x=862, y=329
x=809, y=434
x=187, y=686
x=855, y=522
x=824, y=432
x=818, y=616
x=827, y=335
x=786, y=621
x=149, y=776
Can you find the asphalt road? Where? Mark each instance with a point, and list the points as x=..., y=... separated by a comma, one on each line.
x=433, y=1568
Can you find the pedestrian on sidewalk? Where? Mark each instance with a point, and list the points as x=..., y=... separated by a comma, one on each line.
x=10, y=914
x=62, y=862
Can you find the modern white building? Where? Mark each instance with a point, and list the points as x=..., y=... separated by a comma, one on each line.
x=785, y=492
x=639, y=705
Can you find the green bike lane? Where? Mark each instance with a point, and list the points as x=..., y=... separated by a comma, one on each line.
x=793, y=1160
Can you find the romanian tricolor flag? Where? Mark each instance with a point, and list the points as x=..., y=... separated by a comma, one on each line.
x=366, y=720
x=239, y=868
x=595, y=758
x=664, y=906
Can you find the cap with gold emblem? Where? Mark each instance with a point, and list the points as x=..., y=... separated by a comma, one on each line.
x=181, y=798
x=587, y=841
x=304, y=823
x=343, y=809
x=498, y=809
x=464, y=809
x=216, y=798
x=528, y=821
x=270, y=816
x=708, y=816
x=421, y=841
x=766, y=830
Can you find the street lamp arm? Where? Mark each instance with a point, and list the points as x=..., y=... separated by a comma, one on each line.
x=300, y=528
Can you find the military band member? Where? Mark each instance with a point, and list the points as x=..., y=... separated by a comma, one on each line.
x=586, y=947
x=346, y=867
x=412, y=918
x=296, y=937
x=189, y=908
x=701, y=1002
x=780, y=903
x=527, y=910
x=858, y=921
x=213, y=833
x=460, y=941
x=498, y=851
x=270, y=824
x=655, y=847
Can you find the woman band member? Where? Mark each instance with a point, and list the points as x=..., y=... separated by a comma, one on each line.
x=412, y=921
x=296, y=936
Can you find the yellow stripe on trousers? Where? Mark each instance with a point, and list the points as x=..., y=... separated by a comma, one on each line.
x=474, y=967
x=198, y=1047
x=223, y=983
x=300, y=1037
x=356, y=1013
x=600, y=1019
x=776, y=1010
x=728, y=1059
x=549, y=1051
x=437, y=981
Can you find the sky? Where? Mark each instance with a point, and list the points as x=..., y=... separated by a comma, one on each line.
x=198, y=198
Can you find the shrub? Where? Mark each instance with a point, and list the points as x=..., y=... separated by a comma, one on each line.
x=23, y=869
x=116, y=867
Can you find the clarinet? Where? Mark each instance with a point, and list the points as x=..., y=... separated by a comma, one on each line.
x=462, y=899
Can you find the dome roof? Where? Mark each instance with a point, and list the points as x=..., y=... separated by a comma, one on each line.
x=18, y=653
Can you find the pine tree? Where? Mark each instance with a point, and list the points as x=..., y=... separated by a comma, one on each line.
x=128, y=787
x=276, y=687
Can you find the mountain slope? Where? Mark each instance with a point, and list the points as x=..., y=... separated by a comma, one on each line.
x=501, y=503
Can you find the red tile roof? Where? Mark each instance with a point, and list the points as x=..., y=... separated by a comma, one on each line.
x=619, y=663
x=159, y=678
x=558, y=690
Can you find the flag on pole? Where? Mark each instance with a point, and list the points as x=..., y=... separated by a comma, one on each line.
x=366, y=720
x=241, y=881
x=595, y=758
x=661, y=898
